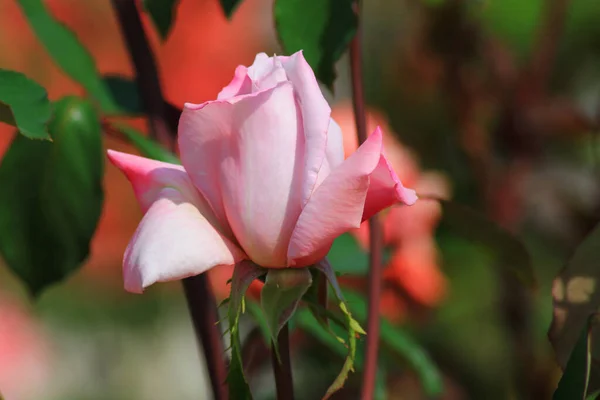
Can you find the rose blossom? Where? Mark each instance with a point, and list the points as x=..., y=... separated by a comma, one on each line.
x=263, y=179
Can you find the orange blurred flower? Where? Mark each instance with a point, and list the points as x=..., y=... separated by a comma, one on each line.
x=412, y=275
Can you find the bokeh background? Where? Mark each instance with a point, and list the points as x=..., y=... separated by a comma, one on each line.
x=492, y=103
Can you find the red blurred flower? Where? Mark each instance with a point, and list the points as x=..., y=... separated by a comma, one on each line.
x=412, y=275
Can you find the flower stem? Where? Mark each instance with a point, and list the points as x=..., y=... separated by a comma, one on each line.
x=203, y=311
x=375, y=233
x=201, y=302
x=283, y=371
x=146, y=71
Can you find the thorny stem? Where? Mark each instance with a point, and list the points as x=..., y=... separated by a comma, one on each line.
x=283, y=371
x=203, y=312
x=146, y=71
x=375, y=233
x=201, y=302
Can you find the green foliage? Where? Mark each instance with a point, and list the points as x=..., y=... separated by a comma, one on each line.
x=124, y=92
x=576, y=377
x=148, y=147
x=323, y=29
x=66, y=50
x=243, y=275
x=162, y=13
x=576, y=296
x=505, y=247
x=280, y=296
x=348, y=258
x=52, y=196
x=24, y=104
x=400, y=342
x=352, y=326
x=229, y=6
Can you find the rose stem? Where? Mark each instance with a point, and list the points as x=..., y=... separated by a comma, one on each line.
x=375, y=234
x=283, y=371
x=201, y=303
x=146, y=71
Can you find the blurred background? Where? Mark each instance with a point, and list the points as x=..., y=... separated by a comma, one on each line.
x=491, y=103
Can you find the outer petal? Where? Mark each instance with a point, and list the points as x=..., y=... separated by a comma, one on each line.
x=334, y=152
x=315, y=117
x=385, y=188
x=336, y=206
x=177, y=237
x=246, y=156
x=266, y=73
x=239, y=85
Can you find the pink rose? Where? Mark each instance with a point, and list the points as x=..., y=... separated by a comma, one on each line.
x=263, y=178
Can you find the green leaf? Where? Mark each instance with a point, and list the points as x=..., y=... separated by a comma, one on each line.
x=66, y=50
x=162, y=13
x=24, y=104
x=576, y=296
x=308, y=322
x=258, y=315
x=148, y=147
x=280, y=296
x=347, y=257
x=243, y=274
x=594, y=396
x=51, y=196
x=323, y=29
x=505, y=247
x=404, y=345
x=229, y=7
x=126, y=98
x=576, y=377
x=124, y=92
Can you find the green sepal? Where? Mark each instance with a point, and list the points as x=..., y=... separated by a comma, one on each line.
x=352, y=326
x=243, y=274
x=280, y=296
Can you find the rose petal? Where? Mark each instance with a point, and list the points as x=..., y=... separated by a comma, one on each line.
x=334, y=152
x=385, y=188
x=315, y=117
x=174, y=241
x=336, y=206
x=239, y=85
x=179, y=235
x=246, y=156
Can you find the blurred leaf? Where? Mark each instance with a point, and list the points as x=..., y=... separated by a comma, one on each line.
x=506, y=248
x=51, y=196
x=148, y=147
x=593, y=396
x=229, y=6
x=403, y=344
x=24, y=104
x=575, y=380
x=280, y=296
x=127, y=101
x=67, y=51
x=348, y=258
x=322, y=29
x=575, y=296
x=162, y=14
x=243, y=275
x=259, y=317
x=125, y=94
